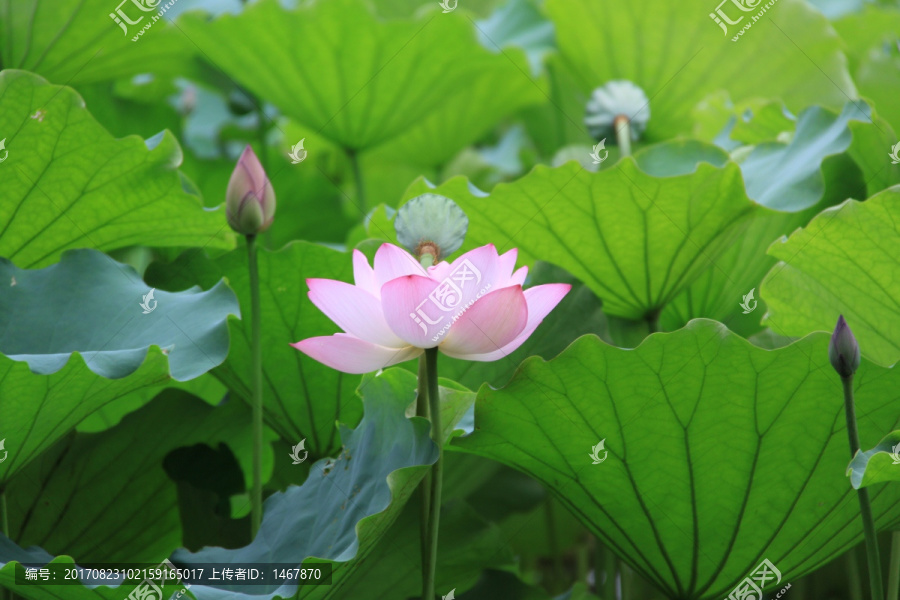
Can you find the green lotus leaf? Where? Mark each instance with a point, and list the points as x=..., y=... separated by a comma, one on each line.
x=78, y=42
x=90, y=304
x=75, y=336
x=830, y=156
x=693, y=488
x=843, y=262
x=302, y=398
x=50, y=506
x=363, y=81
x=790, y=176
x=635, y=240
x=880, y=464
x=794, y=54
x=67, y=183
x=346, y=504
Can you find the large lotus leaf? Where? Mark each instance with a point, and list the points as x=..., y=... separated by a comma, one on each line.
x=880, y=464
x=634, y=239
x=871, y=39
x=789, y=176
x=498, y=90
x=792, y=54
x=78, y=42
x=843, y=262
x=829, y=158
x=39, y=409
x=67, y=183
x=89, y=303
x=696, y=488
x=346, y=505
x=302, y=398
x=63, y=503
x=75, y=337
x=520, y=24
x=359, y=81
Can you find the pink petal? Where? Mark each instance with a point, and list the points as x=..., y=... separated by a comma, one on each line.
x=508, y=262
x=482, y=264
x=352, y=355
x=518, y=278
x=541, y=300
x=353, y=309
x=439, y=271
x=364, y=275
x=491, y=322
x=392, y=262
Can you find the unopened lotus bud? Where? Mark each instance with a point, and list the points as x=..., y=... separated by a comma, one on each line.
x=250, y=199
x=843, y=351
x=615, y=100
x=431, y=224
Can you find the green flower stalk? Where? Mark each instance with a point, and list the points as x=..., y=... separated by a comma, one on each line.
x=250, y=209
x=430, y=226
x=843, y=352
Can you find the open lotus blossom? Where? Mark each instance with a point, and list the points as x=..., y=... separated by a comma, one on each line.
x=473, y=308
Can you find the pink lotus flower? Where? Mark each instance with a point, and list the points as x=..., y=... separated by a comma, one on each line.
x=473, y=308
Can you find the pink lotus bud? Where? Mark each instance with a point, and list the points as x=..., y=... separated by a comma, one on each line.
x=250, y=199
x=843, y=351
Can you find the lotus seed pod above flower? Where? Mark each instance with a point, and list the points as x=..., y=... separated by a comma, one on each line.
x=843, y=351
x=431, y=223
x=615, y=99
x=473, y=308
x=250, y=199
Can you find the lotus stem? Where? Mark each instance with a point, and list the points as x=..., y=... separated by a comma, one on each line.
x=609, y=584
x=623, y=134
x=553, y=543
x=865, y=506
x=854, y=580
x=357, y=178
x=425, y=484
x=894, y=568
x=434, y=515
x=256, y=383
